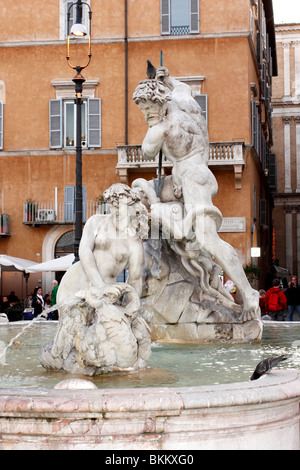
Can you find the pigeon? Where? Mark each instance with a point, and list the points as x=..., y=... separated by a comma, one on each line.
x=266, y=365
x=151, y=70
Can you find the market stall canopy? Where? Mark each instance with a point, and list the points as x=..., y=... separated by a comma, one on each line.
x=10, y=263
x=58, y=264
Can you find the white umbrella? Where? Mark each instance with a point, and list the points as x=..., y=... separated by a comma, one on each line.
x=58, y=264
x=16, y=263
x=11, y=263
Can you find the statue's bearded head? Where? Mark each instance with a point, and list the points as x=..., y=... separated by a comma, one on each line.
x=151, y=97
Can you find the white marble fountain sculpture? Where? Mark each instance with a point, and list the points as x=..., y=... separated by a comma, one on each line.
x=97, y=332
x=186, y=300
x=106, y=326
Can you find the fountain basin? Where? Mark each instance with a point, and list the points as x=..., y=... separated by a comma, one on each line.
x=107, y=413
x=249, y=415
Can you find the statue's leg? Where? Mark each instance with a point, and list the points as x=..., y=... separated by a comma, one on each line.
x=226, y=256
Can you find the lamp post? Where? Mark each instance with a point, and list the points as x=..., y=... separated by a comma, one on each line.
x=78, y=30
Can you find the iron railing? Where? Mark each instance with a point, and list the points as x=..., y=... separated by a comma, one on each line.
x=53, y=213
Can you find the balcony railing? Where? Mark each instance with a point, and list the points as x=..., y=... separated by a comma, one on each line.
x=4, y=225
x=58, y=213
x=220, y=153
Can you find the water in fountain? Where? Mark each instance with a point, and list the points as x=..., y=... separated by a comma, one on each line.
x=4, y=347
x=171, y=365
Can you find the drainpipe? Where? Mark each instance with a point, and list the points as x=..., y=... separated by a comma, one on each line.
x=126, y=74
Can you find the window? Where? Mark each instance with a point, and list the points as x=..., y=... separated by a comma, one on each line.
x=63, y=123
x=65, y=244
x=1, y=125
x=202, y=101
x=179, y=17
x=70, y=124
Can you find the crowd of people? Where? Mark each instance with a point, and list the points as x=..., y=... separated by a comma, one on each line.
x=35, y=304
x=279, y=301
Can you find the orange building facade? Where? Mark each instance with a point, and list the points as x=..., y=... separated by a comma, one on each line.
x=225, y=50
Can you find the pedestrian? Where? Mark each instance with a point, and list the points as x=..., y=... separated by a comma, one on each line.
x=276, y=301
x=262, y=302
x=13, y=298
x=53, y=315
x=54, y=292
x=47, y=300
x=293, y=297
x=38, y=301
x=5, y=306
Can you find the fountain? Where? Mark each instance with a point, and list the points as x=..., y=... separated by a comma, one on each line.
x=98, y=385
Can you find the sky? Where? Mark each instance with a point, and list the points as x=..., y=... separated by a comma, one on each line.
x=286, y=11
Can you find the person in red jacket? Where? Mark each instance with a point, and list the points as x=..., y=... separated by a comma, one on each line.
x=276, y=301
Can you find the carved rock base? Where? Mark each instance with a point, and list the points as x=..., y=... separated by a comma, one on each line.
x=174, y=314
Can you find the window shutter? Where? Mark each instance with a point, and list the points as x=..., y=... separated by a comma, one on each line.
x=194, y=16
x=165, y=17
x=1, y=125
x=83, y=203
x=263, y=220
x=55, y=119
x=68, y=26
x=272, y=172
x=253, y=122
x=94, y=122
x=202, y=101
x=69, y=203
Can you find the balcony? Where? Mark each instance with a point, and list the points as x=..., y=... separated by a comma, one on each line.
x=37, y=213
x=221, y=155
x=4, y=225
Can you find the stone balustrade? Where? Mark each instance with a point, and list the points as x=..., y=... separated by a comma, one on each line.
x=221, y=154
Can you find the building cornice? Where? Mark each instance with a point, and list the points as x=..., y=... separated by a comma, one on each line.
x=287, y=27
x=287, y=199
x=189, y=37
x=45, y=152
x=281, y=110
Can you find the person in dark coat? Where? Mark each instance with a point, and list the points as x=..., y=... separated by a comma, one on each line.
x=5, y=305
x=293, y=297
x=37, y=301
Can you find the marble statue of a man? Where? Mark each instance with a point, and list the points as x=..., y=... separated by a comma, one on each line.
x=178, y=128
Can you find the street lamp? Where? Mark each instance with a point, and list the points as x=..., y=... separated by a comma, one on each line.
x=78, y=30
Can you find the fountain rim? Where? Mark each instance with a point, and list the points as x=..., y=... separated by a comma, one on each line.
x=127, y=418
x=276, y=386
